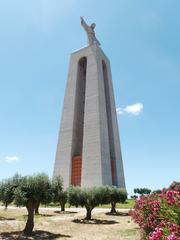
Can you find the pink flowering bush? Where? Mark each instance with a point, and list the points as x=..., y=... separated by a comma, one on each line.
x=158, y=215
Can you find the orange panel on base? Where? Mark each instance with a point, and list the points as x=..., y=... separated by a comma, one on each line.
x=76, y=170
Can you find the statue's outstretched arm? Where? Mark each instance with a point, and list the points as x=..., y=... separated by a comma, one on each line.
x=83, y=23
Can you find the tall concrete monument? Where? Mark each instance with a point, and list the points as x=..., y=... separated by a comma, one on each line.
x=88, y=150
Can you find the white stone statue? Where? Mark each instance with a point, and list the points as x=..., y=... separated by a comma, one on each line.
x=90, y=32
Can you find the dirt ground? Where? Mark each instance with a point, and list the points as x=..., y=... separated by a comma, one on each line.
x=51, y=224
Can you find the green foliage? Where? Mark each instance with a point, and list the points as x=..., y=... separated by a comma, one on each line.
x=134, y=196
x=87, y=197
x=157, y=191
x=27, y=191
x=57, y=187
x=116, y=195
x=63, y=197
x=142, y=191
x=90, y=197
x=31, y=191
x=36, y=188
x=6, y=193
x=95, y=196
x=75, y=196
x=7, y=188
x=58, y=194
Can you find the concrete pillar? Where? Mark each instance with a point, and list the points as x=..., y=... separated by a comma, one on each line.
x=88, y=151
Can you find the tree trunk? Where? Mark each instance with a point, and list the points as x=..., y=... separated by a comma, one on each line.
x=88, y=213
x=62, y=207
x=37, y=208
x=5, y=207
x=30, y=221
x=113, y=208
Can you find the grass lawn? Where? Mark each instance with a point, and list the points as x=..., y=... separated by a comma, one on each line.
x=51, y=224
x=127, y=205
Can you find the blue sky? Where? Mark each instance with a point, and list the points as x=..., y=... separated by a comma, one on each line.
x=141, y=39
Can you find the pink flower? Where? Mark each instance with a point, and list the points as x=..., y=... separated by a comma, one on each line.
x=156, y=235
x=158, y=214
x=173, y=237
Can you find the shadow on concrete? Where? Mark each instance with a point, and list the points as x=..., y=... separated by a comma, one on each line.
x=95, y=221
x=37, y=235
x=122, y=214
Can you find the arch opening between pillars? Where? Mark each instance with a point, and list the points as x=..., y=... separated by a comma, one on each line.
x=78, y=123
x=109, y=124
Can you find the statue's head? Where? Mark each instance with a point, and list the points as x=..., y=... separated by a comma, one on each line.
x=93, y=25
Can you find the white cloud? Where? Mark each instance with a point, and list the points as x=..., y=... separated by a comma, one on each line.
x=10, y=159
x=134, y=109
x=119, y=110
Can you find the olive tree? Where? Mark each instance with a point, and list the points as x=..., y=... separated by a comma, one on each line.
x=31, y=191
x=157, y=191
x=63, y=199
x=7, y=188
x=116, y=195
x=87, y=197
x=141, y=191
x=6, y=193
x=59, y=195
